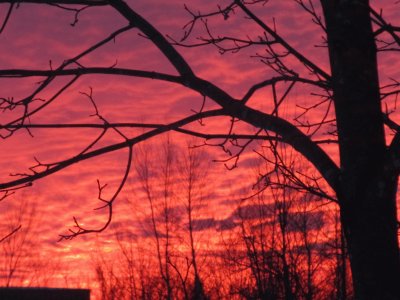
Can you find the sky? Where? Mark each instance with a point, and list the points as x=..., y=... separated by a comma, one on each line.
x=42, y=37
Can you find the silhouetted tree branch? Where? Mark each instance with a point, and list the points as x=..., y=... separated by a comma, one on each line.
x=11, y=233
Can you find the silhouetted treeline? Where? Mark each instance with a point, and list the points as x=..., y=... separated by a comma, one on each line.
x=270, y=245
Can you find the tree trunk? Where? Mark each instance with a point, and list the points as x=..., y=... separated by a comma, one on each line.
x=367, y=191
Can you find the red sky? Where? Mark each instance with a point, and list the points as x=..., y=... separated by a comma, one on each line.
x=36, y=36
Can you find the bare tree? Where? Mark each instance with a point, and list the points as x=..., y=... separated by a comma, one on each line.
x=174, y=187
x=157, y=187
x=282, y=245
x=129, y=272
x=164, y=262
x=364, y=182
x=20, y=260
x=193, y=170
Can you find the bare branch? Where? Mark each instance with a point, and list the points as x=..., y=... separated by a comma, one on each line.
x=87, y=155
x=79, y=230
x=21, y=73
x=11, y=104
x=10, y=234
x=3, y=26
x=313, y=67
x=155, y=36
x=271, y=81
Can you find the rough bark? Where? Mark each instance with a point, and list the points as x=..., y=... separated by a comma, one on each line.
x=367, y=189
